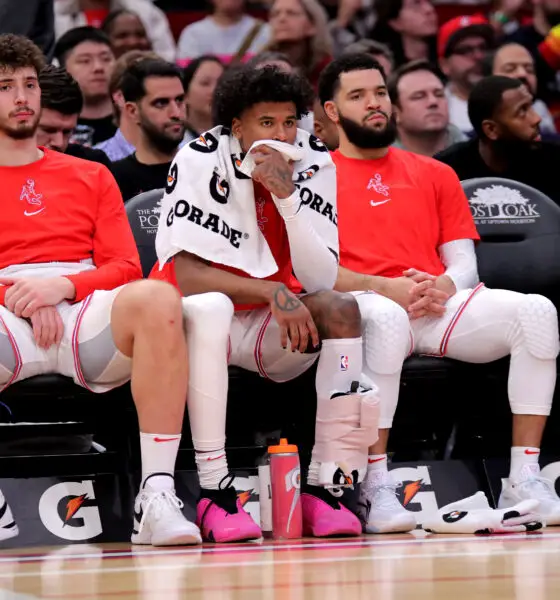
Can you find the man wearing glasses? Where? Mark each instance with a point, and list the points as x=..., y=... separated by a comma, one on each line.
x=462, y=45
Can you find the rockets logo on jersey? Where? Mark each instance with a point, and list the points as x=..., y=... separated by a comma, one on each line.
x=33, y=199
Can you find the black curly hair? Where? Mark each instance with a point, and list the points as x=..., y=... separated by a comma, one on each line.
x=241, y=88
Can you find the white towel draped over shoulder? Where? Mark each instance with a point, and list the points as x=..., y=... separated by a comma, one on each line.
x=208, y=208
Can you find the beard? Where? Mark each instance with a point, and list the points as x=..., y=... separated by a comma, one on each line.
x=162, y=140
x=22, y=131
x=368, y=138
x=514, y=150
x=553, y=17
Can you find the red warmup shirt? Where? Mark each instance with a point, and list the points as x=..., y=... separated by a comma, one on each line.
x=274, y=230
x=395, y=212
x=65, y=209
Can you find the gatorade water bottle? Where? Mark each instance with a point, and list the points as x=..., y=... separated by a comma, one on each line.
x=285, y=484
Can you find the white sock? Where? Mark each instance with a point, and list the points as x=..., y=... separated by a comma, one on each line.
x=313, y=473
x=212, y=467
x=377, y=472
x=524, y=463
x=159, y=453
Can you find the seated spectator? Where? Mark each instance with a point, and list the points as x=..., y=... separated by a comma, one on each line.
x=323, y=127
x=533, y=36
x=229, y=32
x=61, y=104
x=299, y=29
x=508, y=138
x=200, y=78
x=408, y=27
x=462, y=45
x=420, y=109
x=155, y=100
x=513, y=60
x=86, y=54
x=126, y=32
x=123, y=143
x=354, y=21
x=35, y=22
x=70, y=14
x=70, y=302
x=269, y=58
x=381, y=52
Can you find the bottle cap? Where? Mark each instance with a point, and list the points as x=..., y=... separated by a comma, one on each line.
x=282, y=447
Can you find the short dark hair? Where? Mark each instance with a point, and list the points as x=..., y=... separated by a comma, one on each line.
x=372, y=47
x=268, y=56
x=76, y=36
x=60, y=91
x=242, y=88
x=107, y=24
x=486, y=97
x=410, y=67
x=190, y=70
x=329, y=82
x=18, y=52
x=134, y=77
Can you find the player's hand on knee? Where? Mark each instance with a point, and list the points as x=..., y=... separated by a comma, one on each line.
x=294, y=319
x=48, y=327
x=25, y=295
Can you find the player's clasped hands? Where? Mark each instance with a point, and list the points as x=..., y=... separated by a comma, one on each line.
x=426, y=296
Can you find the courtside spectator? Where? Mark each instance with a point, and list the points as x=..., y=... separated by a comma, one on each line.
x=513, y=60
x=381, y=52
x=200, y=78
x=123, y=143
x=229, y=32
x=539, y=39
x=408, y=27
x=508, y=139
x=155, y=100
x=70, y=14
x=85, y=52
x=61, y=104
x=299, y=29
x=126, y=32
x=462, y=45
x=34, y=19
x=70, y=299
x=406, y=233
x=420, y=109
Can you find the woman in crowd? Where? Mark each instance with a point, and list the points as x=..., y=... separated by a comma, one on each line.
x=409, y=28
x=126, y=32
x=300, y=30
x=200, y=79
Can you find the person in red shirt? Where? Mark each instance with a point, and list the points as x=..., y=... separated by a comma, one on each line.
x=69, y=299
x=407, y=251
x=264, y=324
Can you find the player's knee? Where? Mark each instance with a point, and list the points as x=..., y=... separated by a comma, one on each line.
x=208, y=313
x=538, y=320
x=386, y=331
x=336, y=314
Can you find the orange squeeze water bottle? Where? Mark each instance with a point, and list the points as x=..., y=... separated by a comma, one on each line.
x=285, y=483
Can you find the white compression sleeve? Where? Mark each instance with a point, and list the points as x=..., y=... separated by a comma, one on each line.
x=315, y=265
x=459, y=259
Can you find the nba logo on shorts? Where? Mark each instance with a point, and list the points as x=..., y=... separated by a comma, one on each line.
x=344, y=363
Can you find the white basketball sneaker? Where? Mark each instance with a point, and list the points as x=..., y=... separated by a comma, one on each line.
x=532, y=488
x=8, y=527
x=380, y=511
x=159, y=520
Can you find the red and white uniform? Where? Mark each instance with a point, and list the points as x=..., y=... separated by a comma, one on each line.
x=65, y=216
x=396, y=213
x=254, y=335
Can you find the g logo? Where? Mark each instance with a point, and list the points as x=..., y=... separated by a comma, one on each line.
x=172, y=178
x=206, y=144
x=219, y=189
x=316, y=144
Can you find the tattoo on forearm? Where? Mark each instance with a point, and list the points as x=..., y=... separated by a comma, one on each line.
x=277, y=177
x=285, y=300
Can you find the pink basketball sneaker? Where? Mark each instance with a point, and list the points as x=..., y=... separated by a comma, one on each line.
x=324, y=515
x=221, y=517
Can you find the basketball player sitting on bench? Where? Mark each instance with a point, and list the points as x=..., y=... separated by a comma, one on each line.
x=67, y=304
x=234, y=223
x=406, y=233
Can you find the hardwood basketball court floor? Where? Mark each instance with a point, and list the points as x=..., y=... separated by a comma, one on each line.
x=415, y=566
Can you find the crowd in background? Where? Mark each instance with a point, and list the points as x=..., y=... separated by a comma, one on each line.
x=103, y=107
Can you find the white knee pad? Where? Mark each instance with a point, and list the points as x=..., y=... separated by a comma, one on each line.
x=208, y=313
x=539, y=326
x=386, y=333
x=346, y=426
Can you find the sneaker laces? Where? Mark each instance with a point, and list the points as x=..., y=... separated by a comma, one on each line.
x=161, y=502
x=542, y=486
x=386, y=495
